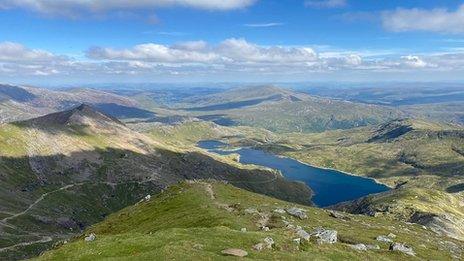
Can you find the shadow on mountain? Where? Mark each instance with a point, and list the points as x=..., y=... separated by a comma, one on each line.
x=455, y=188
x=235, y=105
x=123, y=112
x=15, y=93
x=82, y=188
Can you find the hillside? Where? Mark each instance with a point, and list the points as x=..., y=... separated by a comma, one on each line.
x=199, y=220
x=65, y=171
x=23, y=102
x=283, y=110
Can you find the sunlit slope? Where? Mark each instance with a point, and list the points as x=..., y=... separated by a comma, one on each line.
x=199, y=220
x=67, y=170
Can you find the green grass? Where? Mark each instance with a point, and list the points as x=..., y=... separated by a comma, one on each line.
x=185, y=223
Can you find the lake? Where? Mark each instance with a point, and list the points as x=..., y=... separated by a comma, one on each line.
x=329, y=186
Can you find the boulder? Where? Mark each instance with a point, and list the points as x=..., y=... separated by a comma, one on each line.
x=234, y=252
x=402, y=248
x=279, y=210
x=359, y=247
x=325, y=236
x=297, y=212
x=303, y=234
x=90, y=237
x=268, y=242
x=243, y=229
x=384, y=239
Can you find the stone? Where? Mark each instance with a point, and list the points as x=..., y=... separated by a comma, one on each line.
x=401, y=247
x=297, y=212
x=258, y=247
x=243, y=229
x=303, y=234
x=147, y=197
x=265, y=229
x=373, y=247
x=90, y=237
x=359, y=247
x=384, y=239
x=268, y=242
x=391, y=235
x=251, y=211
x=279, y=210
x=325, y=236
x=297, y=241
x=338, y=215
x=234, y=252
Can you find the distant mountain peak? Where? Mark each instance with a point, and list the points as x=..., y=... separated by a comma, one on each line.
x=84, y=114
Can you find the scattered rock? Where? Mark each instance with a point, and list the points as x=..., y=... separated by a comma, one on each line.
x=325, y=236
x=90, y=237
x=402, y=248
x=243, y=229
x=373, y=247
x=258, y=247
x=297, y=212
x=359, y=247
x=268, y=242
x=384, y=239
x=279, y=210
x=251, y=211
x=234, y=252
x=338, y=215
x=303, y=234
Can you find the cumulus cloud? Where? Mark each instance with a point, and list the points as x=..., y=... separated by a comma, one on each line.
x=325, y=3
x=434, y=20
x=234, y=56
x=70, y=7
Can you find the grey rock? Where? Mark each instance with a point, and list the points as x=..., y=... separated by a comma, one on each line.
x=303, y=234
x=268, y=242
x=265, y=228
x=384, y=239
x=373, y=247
x=243, y=229
x=234, y=252
x=325, y=236
x=359, y=247
x=251, y=211
x=297, y=212
x=402, y=248
x=258, y=247
x=90, y=237
x=297, y=240
x=279, y=210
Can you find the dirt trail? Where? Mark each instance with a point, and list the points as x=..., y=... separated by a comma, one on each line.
x=44, y=239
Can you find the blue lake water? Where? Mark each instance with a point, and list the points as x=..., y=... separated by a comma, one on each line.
x=329, y=186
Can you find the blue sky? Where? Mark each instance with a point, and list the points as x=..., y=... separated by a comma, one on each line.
x=230, y=40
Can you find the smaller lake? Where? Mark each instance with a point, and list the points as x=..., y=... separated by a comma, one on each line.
x=329, y=186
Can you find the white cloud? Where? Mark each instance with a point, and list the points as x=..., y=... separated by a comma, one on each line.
x=434, y=20
x=325, y=3
x=71, y=7
x=263, y=25
x=232, y=56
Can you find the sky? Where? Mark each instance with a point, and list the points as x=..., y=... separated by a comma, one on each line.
x=99, y=41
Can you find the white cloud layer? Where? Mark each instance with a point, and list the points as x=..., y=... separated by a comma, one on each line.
x=71, y=7
x=434, y=20
x=231, y=56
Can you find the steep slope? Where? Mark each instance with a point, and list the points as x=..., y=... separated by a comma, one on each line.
x=199, y=220
x=283, y=110
x=65, y=171
x=22, y=102
x=442, y=212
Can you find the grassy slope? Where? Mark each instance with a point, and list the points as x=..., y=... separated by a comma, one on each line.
x=81, y=173
x=197, y=221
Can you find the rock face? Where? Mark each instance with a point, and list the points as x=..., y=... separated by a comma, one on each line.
x=90, y=238
x=325, y=236
x=297, y=212
x=402, y=248
x=234, y=252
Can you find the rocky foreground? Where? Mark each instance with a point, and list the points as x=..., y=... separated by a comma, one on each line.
x=203, y=220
